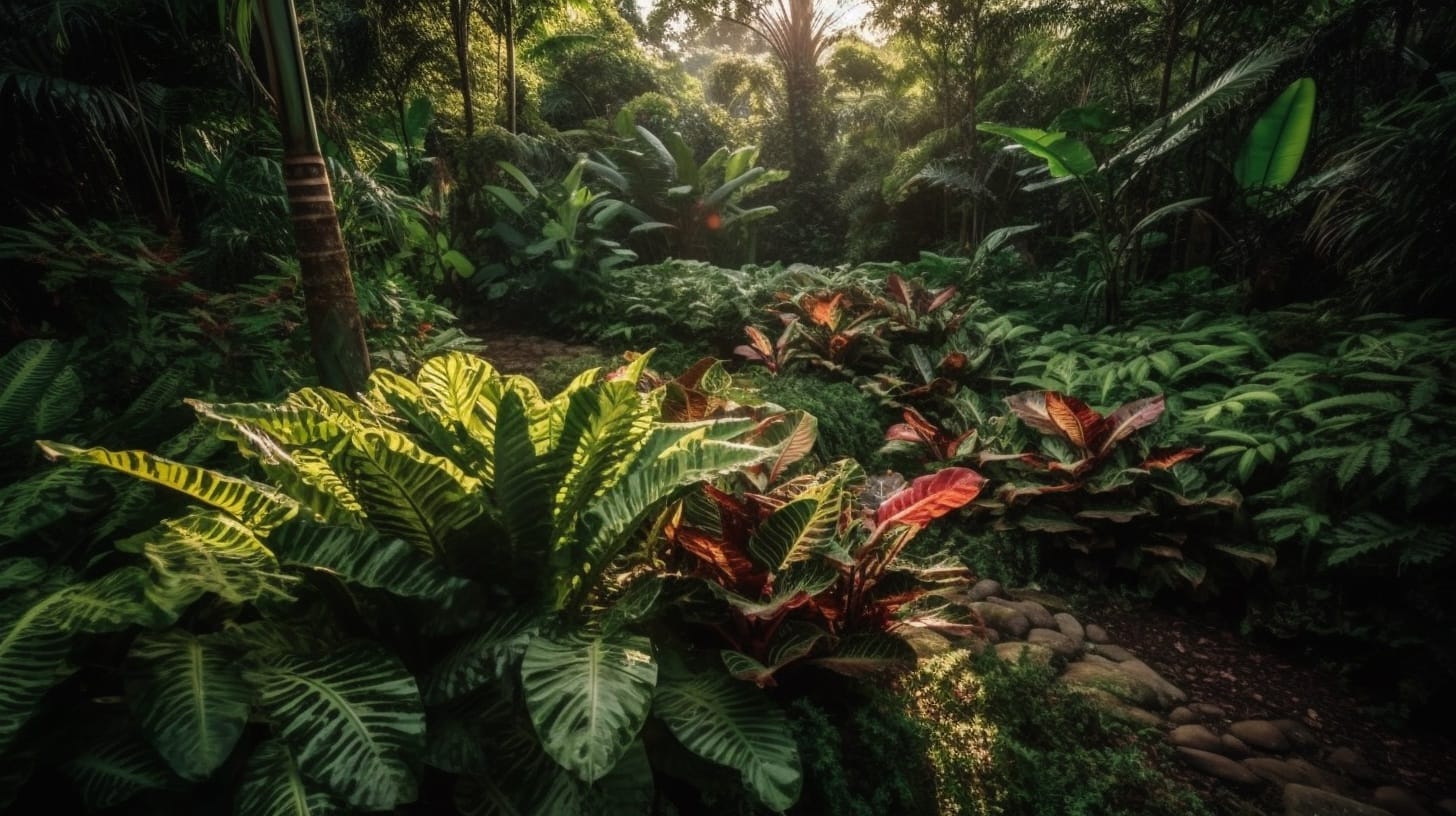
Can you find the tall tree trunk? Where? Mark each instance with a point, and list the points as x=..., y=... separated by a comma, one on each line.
x=336, y=331
x=510, y=36
x=460, y=27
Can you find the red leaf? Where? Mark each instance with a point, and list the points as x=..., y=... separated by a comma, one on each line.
x=1074, y=419
x=1120, y=424
x=823, y=312
x=1031, y=408
x=903, y=433
x=941, y=299
x=930, y=497
x=1165, y=458
x=694, y=375
x=897, y=289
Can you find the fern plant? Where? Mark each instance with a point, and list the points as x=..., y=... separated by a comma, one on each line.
x=447, y=572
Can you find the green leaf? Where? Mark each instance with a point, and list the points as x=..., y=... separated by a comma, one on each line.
x=789, y=535
x=481, y=658
x=272, y=786
x=1063, y=156
x=26, y=373
x=1271, y=154
x=366, y=558
x=588, y=697
x=258, y=506
x=732, y=723
x=408, y=492
x=113, y=769
x=868, y=654
x=189, y=699
x=207, y=551
x=352, y=717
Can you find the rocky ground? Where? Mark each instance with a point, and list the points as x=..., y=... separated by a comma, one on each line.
x=1289, y=747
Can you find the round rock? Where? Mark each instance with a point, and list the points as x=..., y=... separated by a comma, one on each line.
x=1282, y=773
x=1197, y=737
x=1053, y=603
x=1260, y=734
x=1109, y=704
x=1352, y=763
x=1112, y=652
x=1303, y=800
x=1299, y=734
x=1003, y=619
x=1054, y=640
x=1234, y=747
x=1208, y=710
x=1169, y=695
x=1113, y=680
x=1220, y=767
x=1097, y=634
x=1070, y=627
x=1034, y=612
x=984, y=589
x=1183, y=715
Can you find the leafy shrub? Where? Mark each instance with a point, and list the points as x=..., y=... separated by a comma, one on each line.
x=1008, y=738
x=427, y=577
x=685, y=301
x=860, y=753
x=850, y=424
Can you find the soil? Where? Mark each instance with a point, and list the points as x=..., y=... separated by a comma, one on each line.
x=514, y=352
x=1249, y=681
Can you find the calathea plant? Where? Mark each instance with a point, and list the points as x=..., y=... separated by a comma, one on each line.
x=443, y=574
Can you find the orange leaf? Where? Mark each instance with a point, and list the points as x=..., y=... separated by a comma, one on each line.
x=1074, y=419
x=930, y=497
x=1166, y=458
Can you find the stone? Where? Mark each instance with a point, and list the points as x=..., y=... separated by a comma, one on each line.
x=1113, y=680
x=1398, y=801
x=1183, y=715
x=1169, y=695
x=984, y=589
x=1197, y=737
x=1097, y=634
x=1054, y=640
x=1208, y=710
x=1303, y=800
x=1053, y=603
x=1260, y=734
x=1298, y=734
x=1034, y=612
x=1109, y=704
x=1070, y=627
x=1013, y=651
x=1327, y=780
x=925, y=642
x=1003, y=619
x=1352, y=763
x=1220, y=767
x=993, y=636
x=1282, y=773
x=1234, y=747
x=1098, y=659
x=1112, y=652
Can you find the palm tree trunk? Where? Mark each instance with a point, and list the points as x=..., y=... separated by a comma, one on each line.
x=460, y=28
x=510, y=36
x=336, y=331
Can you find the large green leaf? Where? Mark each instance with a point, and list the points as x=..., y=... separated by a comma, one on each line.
x=1271, y=154
x=366, y=558
x=481, y=658
x=36, y=628
x=207, y=551
x=867, y=654
x=408, y=492
x=189, y=698
x=353, y=719
x=259, y=506
x=789, y=535
x=1064, y=156
x=272, y=786
x=732, y=723
x=588, y=697
x=111, y=770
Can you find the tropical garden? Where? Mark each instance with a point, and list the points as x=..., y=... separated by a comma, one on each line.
x=727, y=407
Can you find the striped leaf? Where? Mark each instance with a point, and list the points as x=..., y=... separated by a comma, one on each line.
x=732, y=723
x=19, y=573
x=189, y=698
x=789, y=535
x=113, y=769
x=463, y=389
x=366, y=558
x=43, y=499
x=408, y=492
x=352, y=718
x=258, y=506
x=481, y=658
x=272, y=786
x=206, y=551
x=600, y=432
x=868, y=654
x=588, y=697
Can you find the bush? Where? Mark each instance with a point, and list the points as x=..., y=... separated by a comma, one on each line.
x=850, y=423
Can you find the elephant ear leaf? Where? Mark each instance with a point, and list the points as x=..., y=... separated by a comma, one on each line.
x=352, y=717
x=1271, y=154
x=189, y=698
x=732, y=723
x=588, y=697
x=272, y=786
x=115, y=768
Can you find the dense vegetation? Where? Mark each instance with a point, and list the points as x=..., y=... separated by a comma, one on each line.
x=1134, y=298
